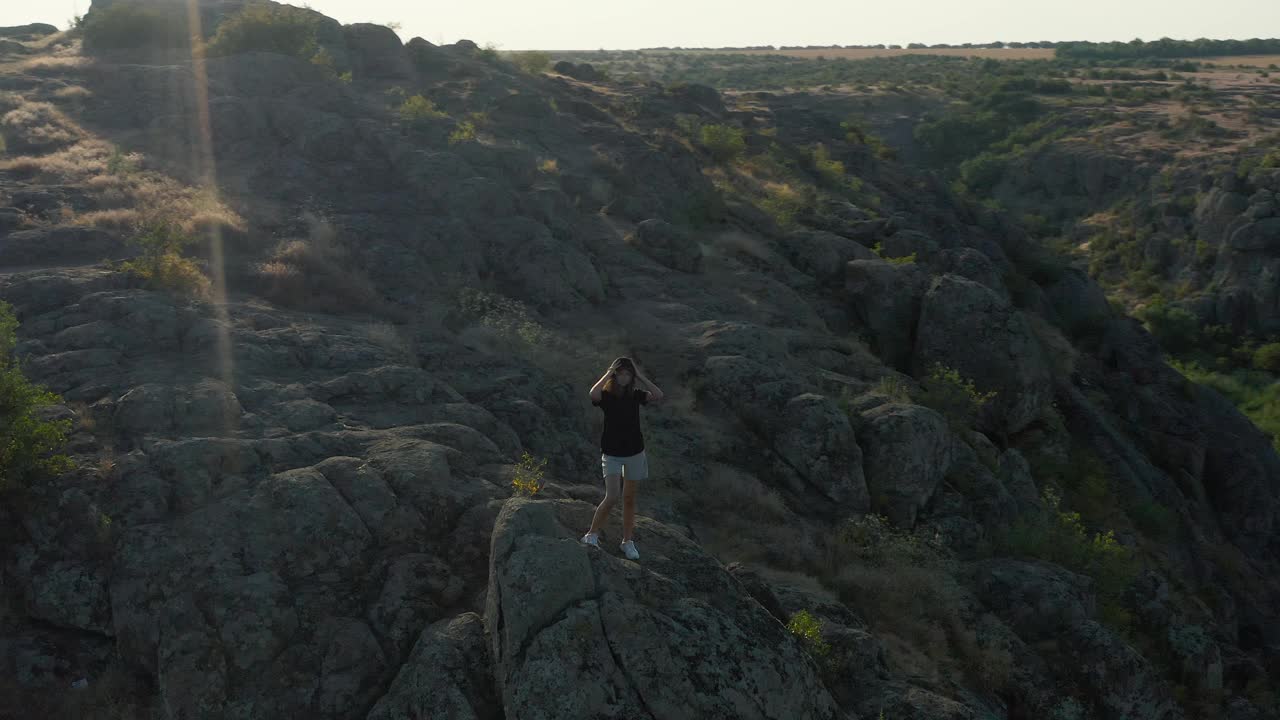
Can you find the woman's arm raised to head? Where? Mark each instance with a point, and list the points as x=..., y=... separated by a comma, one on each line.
x=595, y=389
x=655, y=393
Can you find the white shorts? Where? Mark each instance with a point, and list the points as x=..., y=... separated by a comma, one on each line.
x=635, y=467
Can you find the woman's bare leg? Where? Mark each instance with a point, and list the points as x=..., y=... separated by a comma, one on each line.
x=611, y=483
x=628, y=509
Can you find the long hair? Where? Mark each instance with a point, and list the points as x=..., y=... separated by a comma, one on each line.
x=611, y=385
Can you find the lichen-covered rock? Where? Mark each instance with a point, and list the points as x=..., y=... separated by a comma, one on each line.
x=968, y=327
x=807, y=436
x=582, y=632
x=884, y=298
x=907, y=450
x=668, y=245
x=375, y=51
x=1037, y=600
x=448, y=676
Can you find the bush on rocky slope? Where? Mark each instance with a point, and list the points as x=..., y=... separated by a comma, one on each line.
x=132, y=25
x=264, y=28
x=30, y=444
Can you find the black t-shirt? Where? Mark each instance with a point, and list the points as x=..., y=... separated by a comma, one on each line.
x=621, y=436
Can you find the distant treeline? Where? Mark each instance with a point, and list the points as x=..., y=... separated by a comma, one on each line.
x=910, y=46
x=1072, y=50
x=1166, y=48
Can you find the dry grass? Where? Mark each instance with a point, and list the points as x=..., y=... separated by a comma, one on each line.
x=1258, y=61
x=46, y=65
x=390, y=338
x=316, y=274
x=39, y=126
x=72, y=92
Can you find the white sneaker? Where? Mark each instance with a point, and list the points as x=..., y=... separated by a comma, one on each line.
x=592, y=539
x=629, y=549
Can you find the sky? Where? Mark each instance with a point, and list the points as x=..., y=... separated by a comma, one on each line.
x=594, y=24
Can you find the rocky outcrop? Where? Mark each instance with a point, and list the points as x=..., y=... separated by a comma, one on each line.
x=968, y=327
x=807, y=438
x=908, y=450
x=884, y=299
x=376, y=52
x=583, y=632
x=668, y=245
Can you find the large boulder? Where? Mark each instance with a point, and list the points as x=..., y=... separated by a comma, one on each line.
x=907, y=451
x=668, y=245
x=884, y=298
x=375, y=52
x=807, y=436
x=1263, y=235
x=31, y=30
x=1119, y=680
x=968, y=327
x=447, y=676
x=1038, y=600
x=582, y=632
x=823, y=254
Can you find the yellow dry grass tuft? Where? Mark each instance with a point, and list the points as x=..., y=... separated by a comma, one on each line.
x=316, y=274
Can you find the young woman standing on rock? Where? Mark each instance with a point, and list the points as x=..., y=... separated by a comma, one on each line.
x=619, y=393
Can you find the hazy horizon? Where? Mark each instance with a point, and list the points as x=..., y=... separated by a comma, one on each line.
x=569, y=25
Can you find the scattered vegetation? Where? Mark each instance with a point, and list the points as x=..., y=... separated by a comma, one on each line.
x=532, y=62
x=808, y=629
x=162, y=264
x=417, y=111
x=508, y=318
x=317, y=274
x=725, y=143
x=30, y=446
x=464, y=131
x=954, y=396
x=527, y=479
x=1059, y=536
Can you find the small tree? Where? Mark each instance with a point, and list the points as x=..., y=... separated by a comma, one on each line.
x=725, y=143
x=162, y=264
x=29, y=446
x=129, y=25
x=282, y=29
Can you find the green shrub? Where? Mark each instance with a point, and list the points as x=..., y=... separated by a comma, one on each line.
x=809, y=630
x=1060, y=537
x=527, y=479
x=29, y=446
x=532, y=62
x=725, y=143
x=830, y=170
x=1154, y=519
x=130, y=25
x=784, y=201
x=1176, y=329
x=954, y=396
x=281, y=29
x=162, y=264
x=464, y=132
x=418, y=111
x=1267, y=358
